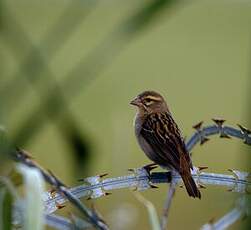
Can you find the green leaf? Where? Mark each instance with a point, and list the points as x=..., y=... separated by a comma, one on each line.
x=6, y=201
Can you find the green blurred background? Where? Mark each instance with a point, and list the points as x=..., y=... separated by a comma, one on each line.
x=85, y=60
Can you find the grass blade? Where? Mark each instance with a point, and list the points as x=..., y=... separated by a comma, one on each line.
x=154, y=220
x=34, y=188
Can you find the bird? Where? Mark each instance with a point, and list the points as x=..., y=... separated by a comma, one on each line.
x=160, y=138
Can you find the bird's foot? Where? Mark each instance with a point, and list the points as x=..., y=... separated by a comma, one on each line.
x=150, y=167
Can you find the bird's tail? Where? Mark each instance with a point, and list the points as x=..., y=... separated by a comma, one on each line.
x=187, y=178
x=190, y=185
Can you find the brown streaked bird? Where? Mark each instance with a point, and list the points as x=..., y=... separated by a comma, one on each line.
x=159, y=137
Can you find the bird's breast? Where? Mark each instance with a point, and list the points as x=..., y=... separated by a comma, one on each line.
x=144, y=145
x=137, y=124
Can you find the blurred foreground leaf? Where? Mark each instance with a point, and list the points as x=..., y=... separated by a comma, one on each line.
x=5, y=151
x=34, y=188
x=5, y=208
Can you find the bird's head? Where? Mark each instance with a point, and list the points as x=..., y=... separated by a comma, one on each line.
x=149, y=102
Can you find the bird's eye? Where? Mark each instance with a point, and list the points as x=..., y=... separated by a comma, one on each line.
x=148, y=100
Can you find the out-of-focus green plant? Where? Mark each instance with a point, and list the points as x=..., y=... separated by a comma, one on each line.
x=33, y=203
x=152, y=213
x=6, y=201
x=31, y=207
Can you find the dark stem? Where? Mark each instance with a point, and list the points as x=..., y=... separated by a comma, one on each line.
x=167, y=204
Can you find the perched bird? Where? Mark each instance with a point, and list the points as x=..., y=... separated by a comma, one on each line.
x=159, y=137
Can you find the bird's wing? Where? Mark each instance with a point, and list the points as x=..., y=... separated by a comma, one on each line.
x=163, y=135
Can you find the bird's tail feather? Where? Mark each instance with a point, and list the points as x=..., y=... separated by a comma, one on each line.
x=191, y=186
x=187, y=178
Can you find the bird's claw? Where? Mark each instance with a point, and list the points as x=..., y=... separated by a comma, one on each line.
x=150, y=167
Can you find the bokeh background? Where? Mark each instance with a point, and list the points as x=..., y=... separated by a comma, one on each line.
x=70, y=68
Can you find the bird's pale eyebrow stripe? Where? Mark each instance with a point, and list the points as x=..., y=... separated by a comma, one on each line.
x=154, y=98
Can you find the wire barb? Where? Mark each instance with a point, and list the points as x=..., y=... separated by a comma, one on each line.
x=246, y=134
x=219, y=122
x=198, y=128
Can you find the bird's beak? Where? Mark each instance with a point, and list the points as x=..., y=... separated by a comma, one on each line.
x=136, y=101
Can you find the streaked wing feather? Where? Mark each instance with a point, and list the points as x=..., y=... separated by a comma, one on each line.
x=163, y=135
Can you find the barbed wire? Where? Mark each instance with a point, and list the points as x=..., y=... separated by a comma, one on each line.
x=141, y=179
x=240, y=210
x=202, y=133
x=23, y=157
